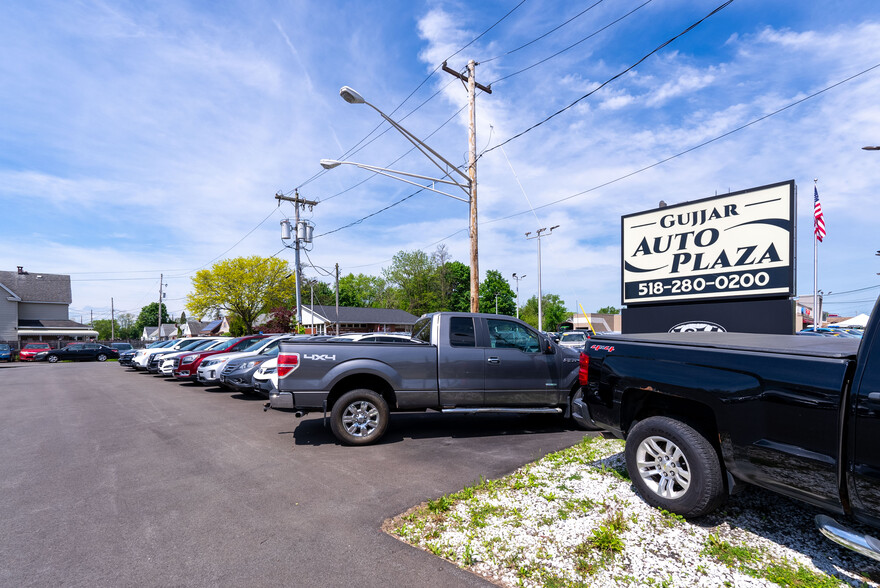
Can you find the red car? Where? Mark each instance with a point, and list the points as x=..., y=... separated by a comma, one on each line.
x=188, y=364
x=28, y=352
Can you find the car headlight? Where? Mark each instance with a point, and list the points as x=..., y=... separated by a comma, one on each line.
x=250, y=365
x=188, y=359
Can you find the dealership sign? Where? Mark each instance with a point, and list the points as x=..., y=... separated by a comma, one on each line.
x=732, y=246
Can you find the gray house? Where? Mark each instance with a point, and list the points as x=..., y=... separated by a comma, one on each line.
x=34, y=307
x=323, y=319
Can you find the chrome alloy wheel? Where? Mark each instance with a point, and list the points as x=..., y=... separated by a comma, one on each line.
x=663, y=467
x=360, y=418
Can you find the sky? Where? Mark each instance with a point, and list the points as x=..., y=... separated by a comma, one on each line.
x=140, y=140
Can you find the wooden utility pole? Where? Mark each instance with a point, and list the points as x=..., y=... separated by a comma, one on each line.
x=297, y=202
x=472, y=85
x=337, y=299
x=112, y=321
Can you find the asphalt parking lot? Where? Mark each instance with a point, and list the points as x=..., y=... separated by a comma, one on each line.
x=116, y=478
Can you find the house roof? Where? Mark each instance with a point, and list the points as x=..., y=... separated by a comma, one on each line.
x=34, y=287
x=376, y=316
x=211, y=326
x=46, y=324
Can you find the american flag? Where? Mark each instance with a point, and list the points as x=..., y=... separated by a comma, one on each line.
x=818, y=217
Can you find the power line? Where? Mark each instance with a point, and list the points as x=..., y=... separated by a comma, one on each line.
x=536, y=39
x=608, y=81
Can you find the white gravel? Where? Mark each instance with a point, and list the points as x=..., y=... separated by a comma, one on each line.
x=533, y=528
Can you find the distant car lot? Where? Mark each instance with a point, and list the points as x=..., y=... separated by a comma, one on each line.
x=115, y=477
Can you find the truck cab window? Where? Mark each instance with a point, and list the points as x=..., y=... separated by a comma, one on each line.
x=507, y=334
x=461, y=332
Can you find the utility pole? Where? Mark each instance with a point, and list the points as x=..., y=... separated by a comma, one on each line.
x=159, y=328
x=302, y=233
x=112, y=321
x=472, y=85
x=537, y=236
x=517, y=278
x=337, y=299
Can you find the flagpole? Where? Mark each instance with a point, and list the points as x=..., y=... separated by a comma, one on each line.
x=815, y=267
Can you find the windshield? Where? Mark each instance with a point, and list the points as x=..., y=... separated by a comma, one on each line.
x=256, y=345
x=573, y=338
x=37, y=346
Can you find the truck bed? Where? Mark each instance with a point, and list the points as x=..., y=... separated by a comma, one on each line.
x=830, y=347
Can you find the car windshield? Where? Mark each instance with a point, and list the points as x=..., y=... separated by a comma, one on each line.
x=4, y=347
x=37, y=346
x=573, y=338
x=255, y=345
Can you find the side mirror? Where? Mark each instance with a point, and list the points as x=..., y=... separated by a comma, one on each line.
x=549, y=347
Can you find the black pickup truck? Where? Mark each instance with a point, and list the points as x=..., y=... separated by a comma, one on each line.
x=705, y=413
x=454, y=363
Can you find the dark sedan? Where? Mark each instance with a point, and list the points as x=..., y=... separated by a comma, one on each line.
x=79, y=352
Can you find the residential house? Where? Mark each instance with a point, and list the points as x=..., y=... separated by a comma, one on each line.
x=192, y=328
x=322, y=320
x=35, y=307
x=169, y=331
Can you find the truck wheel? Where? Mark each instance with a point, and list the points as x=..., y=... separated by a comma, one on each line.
x=359, y=417
x=674, y=467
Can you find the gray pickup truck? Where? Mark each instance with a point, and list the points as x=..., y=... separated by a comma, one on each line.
x=454, y=363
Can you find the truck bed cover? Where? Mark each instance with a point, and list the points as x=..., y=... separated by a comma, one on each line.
x=831, y=347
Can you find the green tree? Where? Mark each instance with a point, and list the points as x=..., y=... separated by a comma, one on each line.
x=455, y=279
x=149, y=317
x=414, y=277
x=105, y=328
x=363, y=291
x=496, y=289
x=553, y=309
x=127, y=328
x=243, y=287
x=608, y=310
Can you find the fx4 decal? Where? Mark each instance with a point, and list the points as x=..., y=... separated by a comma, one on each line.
x=608, y=348
x=321, y=357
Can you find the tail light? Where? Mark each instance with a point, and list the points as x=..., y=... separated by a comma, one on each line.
x=287, y=362
x=584, y=369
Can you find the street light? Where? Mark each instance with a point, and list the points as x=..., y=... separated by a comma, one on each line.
x=518, y=278
x=537, y=236
x=451, y=176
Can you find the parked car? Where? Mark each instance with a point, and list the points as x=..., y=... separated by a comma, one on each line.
x=574, y=339
x=121, y=346
x=6, y=352
x=153, y=365
x=142, y=358
x=189, y=364
x=30, y=350
x=79, y=352
x=169, y=361
x=265, y=380
x=209, y=371
x=239, y=372
x=705, y=413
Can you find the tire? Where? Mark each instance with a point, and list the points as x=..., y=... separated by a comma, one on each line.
x=101, y=357
x=674, y=467
x=52, y=359
x=359, y=417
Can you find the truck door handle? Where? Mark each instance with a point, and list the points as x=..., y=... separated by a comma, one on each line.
x=493, y=360
x=874, y=396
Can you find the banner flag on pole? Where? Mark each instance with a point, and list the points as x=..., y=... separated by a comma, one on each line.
x=818, y=217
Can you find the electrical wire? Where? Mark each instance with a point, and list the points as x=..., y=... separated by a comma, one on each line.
x=551, y=31
x=608, y=81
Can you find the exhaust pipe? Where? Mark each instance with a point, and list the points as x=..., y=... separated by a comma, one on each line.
x=266, y=406
x=299, y=414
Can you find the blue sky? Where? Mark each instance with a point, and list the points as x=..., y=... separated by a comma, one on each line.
x=146, y=138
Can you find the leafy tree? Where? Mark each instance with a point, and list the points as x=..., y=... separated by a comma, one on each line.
x=182, y=318
x=243, y=287
x=281, y=320
x=414, y=278
x=553, y=309
x=455, y=280
x=149, y=317
x=608, y=310
x=127, y=328
x=363, y=291
x=496, y=286
x=105, y=328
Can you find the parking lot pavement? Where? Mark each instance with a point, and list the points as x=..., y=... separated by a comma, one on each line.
x=116, y=478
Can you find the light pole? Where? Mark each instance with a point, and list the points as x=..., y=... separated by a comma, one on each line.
x=451, y=175
x=538, y=234
x=517, y=278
